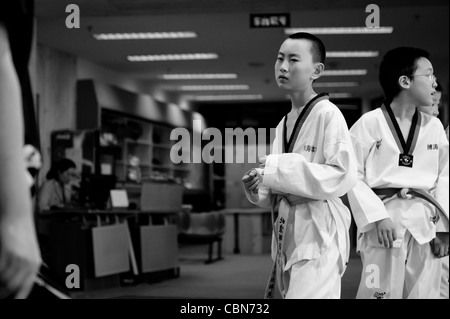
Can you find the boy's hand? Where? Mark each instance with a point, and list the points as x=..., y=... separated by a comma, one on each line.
x=439, y=245
x=251, y=181
x=262, y=161
x=386, y=232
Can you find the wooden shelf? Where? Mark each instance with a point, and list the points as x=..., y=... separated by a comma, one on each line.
x=141, y=142
x=165, y=146
x=149, y=142
x=122, y=163
x=181, y=169
x=161, y=166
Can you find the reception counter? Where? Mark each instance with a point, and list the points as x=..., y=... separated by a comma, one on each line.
x=105, y=244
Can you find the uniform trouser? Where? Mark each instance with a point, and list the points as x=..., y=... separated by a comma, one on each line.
x=444, y=278
x=317, y=278
x=408, y=272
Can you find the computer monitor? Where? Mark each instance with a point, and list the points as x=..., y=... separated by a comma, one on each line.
x=95, y=190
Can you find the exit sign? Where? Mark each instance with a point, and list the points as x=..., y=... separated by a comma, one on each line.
x=271, y=20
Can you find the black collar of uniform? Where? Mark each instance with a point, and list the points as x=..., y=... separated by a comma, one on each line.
x=289, y=145
x=408, y=146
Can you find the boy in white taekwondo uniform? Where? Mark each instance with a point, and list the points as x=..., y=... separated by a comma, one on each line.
x=311, y=165
x=402, y=155
x=433, y=110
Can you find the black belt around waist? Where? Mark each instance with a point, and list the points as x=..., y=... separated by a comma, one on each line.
x=385, y=193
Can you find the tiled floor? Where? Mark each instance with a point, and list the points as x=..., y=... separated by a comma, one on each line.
x=234, y=277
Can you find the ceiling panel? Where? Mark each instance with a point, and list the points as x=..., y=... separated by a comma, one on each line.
x=223, y=27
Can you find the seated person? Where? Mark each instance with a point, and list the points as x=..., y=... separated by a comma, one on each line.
x=56, y=192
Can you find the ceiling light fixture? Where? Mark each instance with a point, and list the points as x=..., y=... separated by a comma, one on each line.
x=344, y=72
x=341, y=30
x=199, y=76
x=352, y=54
x=335, y=84
x=172, y=57
x=214, y=87
x=145, y=35
x=227, y=97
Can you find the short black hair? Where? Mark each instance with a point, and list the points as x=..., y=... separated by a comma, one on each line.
x=317, y=49
x=397, y=62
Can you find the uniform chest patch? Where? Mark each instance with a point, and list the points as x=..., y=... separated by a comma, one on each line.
x=310, y=148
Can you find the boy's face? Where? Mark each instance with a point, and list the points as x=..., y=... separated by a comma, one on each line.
x=294, y=66
x=422, y=87
x=432, y=110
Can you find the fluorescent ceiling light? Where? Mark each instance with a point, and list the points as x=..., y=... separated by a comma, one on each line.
x=335, y=84
x=352, y=54
x=205, y=76
x=227, y=97
x=344, y=72
x=172, y=57
x=144, y=35
x=339, y=30
x=214, y=87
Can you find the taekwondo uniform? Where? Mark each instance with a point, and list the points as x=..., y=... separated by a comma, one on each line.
x=445, y=262
x=444, y=279
x=306, y=176
x=385, y=163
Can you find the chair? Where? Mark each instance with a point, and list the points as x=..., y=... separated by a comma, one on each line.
x=202, y=228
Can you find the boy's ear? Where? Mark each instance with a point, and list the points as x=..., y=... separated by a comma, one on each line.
x=404, y=82
x=318, y=71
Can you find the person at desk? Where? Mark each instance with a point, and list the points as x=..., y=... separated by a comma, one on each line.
x=56, y=191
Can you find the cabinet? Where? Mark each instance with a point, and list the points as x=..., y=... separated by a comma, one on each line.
x=140, y=127
x=146, y=149
x=126, y=244
x=226, y=181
